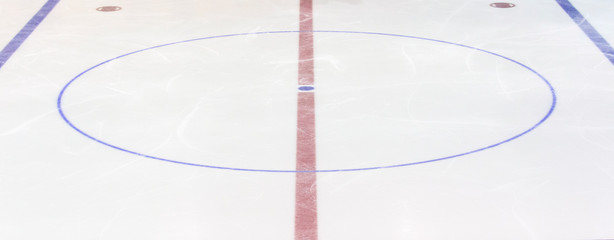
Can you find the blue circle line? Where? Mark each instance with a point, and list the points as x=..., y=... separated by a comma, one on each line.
x=65, y=118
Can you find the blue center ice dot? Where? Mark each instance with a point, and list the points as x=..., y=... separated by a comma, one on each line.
x=306, y=88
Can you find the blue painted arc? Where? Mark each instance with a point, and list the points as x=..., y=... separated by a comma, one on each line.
x=540, y=122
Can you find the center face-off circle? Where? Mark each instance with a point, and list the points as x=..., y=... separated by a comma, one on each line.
x=322, y=89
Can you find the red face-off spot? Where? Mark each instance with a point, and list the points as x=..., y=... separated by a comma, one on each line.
x=109, y=8
x=502, y=5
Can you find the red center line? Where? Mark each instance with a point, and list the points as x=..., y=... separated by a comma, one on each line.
x=305, y=42
x=306, y=208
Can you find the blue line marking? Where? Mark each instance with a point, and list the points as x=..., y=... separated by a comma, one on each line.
x=25, y=32
x=588, y=29
x=540, y=122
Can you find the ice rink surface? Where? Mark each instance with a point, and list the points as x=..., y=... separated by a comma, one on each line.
x=274, y=119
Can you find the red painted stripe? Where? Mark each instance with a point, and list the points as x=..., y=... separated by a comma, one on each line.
x=305, y=43
x=306, y=215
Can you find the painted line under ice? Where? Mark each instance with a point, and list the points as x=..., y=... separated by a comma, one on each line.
x=25, y=32
x=588, y=29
